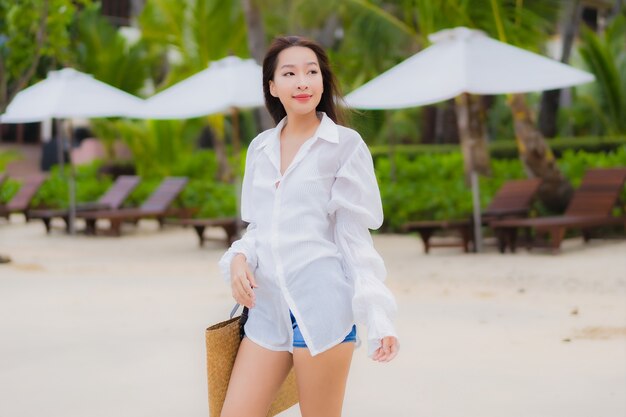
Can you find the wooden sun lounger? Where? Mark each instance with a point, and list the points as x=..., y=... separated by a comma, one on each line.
x=112, y=199
x=157, y=206
x=514, y=199
x=20, y=203
x=229, y=224
x=590, y=207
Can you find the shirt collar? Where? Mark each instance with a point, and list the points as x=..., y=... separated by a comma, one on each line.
x=327, y=130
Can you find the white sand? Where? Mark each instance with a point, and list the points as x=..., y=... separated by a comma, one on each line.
x=114, y=327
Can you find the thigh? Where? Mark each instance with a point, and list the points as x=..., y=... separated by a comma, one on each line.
x=322, y=379
x=257, y=375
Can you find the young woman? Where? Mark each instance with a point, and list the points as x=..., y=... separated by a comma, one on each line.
x=306, y=266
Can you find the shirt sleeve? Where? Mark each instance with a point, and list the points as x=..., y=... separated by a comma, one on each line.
x=356, y=205
x=247, y=244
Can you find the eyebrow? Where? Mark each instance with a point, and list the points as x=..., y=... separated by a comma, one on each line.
x=293, y=66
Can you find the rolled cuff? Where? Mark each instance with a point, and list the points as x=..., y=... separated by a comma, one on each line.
x=227, y=258
x=379, y=325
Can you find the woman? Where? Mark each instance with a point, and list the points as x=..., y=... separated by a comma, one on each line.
x=306, y=267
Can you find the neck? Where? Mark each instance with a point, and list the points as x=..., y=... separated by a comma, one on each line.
x=301, y=124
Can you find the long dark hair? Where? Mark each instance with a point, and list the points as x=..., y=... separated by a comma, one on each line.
x=331, y=94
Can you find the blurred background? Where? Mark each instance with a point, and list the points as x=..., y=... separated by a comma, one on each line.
x=115, y=326
x=145, y=46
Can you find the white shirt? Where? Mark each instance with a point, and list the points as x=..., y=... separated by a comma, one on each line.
x=308, y=242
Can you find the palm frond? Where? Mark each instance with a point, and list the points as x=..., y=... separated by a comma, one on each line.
x=597, y=53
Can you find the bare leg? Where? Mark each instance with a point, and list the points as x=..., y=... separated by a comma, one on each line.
x=322, y=379
x=257, y=376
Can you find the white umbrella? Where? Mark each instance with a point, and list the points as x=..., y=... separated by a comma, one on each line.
x=68, y=93
x=463, y=60
x=226, y=85
x=229, y=83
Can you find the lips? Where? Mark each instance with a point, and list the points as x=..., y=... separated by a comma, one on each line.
x=302, y=96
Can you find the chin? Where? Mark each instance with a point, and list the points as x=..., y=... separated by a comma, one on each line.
x=304, y=111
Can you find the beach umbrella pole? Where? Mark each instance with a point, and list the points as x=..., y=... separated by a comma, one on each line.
x=478, y=232
x=72, y=189
x=70, y=180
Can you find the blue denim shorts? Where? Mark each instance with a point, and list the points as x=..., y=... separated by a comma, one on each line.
x=298, y=340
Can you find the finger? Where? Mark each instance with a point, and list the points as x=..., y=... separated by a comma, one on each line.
x=237, y=295
x=384, y=349
x=389, y=345
x=394, y=351
x=245, y=283
x=394, y=347
x=386, y=343
x=244, y=294
x=249, y=290
x=378, y=354
x=251, y=278
x=375, y=354
x=240, y=286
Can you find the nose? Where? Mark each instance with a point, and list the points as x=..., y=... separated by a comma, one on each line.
x=302, y=83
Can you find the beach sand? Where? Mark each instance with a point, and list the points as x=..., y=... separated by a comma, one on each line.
x=114, y=327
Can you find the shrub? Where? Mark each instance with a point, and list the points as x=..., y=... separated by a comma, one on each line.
x=54, y=192
x=432, y=187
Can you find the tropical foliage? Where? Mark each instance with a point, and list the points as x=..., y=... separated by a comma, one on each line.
x=605, y=56
x=190, y=34
x=32, y=31
x=102, y=51
x=175, y=39
x=447, y=197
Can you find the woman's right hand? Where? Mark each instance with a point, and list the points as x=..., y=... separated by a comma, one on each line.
x=242, y=281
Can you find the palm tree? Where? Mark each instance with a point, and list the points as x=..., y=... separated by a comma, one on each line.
x=550, y=100
x=255, y=30
x=102, y=51
x=188, y=35
x=605, y=56
x=520, y=24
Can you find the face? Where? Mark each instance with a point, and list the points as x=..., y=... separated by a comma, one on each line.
x=297, y=80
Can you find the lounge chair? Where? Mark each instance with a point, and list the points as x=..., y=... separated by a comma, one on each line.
x=156, y=206
x=591, y=206
x=514, y=199
x=111, y=200
x=20, y=203
x=229, y=224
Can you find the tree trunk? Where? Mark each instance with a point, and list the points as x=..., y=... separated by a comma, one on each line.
x=256, y=45
x=473, y=135
x=224, y=170
x=429, y=117
x=550, y=99
x=447, y=129
x=537, y=157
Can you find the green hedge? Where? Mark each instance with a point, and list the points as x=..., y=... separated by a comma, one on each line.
x=211, y=198
x=432, y=187
x=508, y=148
x=427, y=186
x=54, y=192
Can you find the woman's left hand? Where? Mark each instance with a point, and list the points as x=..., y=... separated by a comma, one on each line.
x=388, y=349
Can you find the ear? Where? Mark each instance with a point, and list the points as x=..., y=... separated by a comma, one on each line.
x=273, y=89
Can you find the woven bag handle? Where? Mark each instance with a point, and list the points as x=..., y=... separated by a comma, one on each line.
x=242, y=319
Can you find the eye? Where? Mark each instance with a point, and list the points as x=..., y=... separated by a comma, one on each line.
x=313, y=71
x=288, y=74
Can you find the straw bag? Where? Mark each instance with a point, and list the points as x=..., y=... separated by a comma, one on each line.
x=222, y=344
